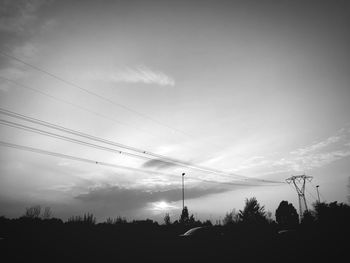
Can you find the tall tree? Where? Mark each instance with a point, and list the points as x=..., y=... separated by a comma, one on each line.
x=184, y=218
x=167, y=219
x=32, y=212
x=253, y=213
x=333, y=213
x=47, y=214
x=286, y=215
x=230, y=218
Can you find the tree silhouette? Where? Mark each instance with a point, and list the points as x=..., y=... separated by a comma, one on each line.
x=47, y=214
x=308, y=218
x=184, y=218
x=87, y=219
x=167, y=219
x=32, y=212
x=231, y=218
x=192, y=220
x=286, y=215
x=332, y=213
x=252, y=213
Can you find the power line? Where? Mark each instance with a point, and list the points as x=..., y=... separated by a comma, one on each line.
x=229, y=183
x=94, y=93
x=74, y=158
x=61, y=155
x=135, y=112
x=293, y=189
x=160, y=157
x=75, y=105
x=69, y=139
x=310, y=194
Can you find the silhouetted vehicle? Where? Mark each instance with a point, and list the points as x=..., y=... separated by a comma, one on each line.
x=206, y=232
x=288, y=235
x=285, y=232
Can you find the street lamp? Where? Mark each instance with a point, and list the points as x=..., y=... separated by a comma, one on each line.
x=318, y=194
x=183, y=191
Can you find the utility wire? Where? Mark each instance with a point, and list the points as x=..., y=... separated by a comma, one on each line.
x=80, y=159
x=61, y=155
x=128, y=109
x=93, y=93
x=72, y=84
x=308, y=203
x=69, y=139
x=160, y=157
x=311, y=194
x=75, y=105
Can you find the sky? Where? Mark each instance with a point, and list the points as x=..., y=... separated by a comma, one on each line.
x=253, y=88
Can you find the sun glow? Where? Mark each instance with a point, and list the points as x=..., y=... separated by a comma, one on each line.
x=162, y=205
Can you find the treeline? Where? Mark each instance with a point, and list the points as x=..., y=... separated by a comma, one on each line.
x=286, y=216
x=250, y=235
x=253, y=216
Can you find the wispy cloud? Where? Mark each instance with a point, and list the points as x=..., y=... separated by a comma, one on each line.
x=321, y=159
x=140, y=74
x=317, y=146
x=143, y=74
x=315, y=155
x=318, y=154
x=255, y=161
x=17, y=16
x=20, y=22
x=310, y=161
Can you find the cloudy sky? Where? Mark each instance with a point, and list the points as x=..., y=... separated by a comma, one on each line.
x=252, y=88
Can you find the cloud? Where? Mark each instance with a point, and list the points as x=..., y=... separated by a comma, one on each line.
x=316, y=155
x=321, y=159
x=20, y=22
x=159, y=164
x=255, y=161
x=125, y=199
x=18, y=16
x=143, y=74
x=162, y=206
x=310, y=161
x=140, y=74
x=318, y=146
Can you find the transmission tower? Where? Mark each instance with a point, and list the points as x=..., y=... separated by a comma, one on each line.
x=299, y=183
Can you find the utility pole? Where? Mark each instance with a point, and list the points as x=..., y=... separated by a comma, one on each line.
x=183, y=191
x=299, y=183
x=318, y=194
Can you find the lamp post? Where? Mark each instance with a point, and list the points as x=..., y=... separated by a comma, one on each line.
x=318, y=194
x=183, y=191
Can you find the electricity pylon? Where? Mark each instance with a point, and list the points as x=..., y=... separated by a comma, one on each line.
x=299, y=183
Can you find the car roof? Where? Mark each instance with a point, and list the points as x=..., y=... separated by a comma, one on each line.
x=193, y=230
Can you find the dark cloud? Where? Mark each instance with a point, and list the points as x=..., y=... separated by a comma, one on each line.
x=20, y=22
x=129, y=199
x=19, y=17
x=159, y=164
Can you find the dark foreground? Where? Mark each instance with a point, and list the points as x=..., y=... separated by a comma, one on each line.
x=56, y=242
